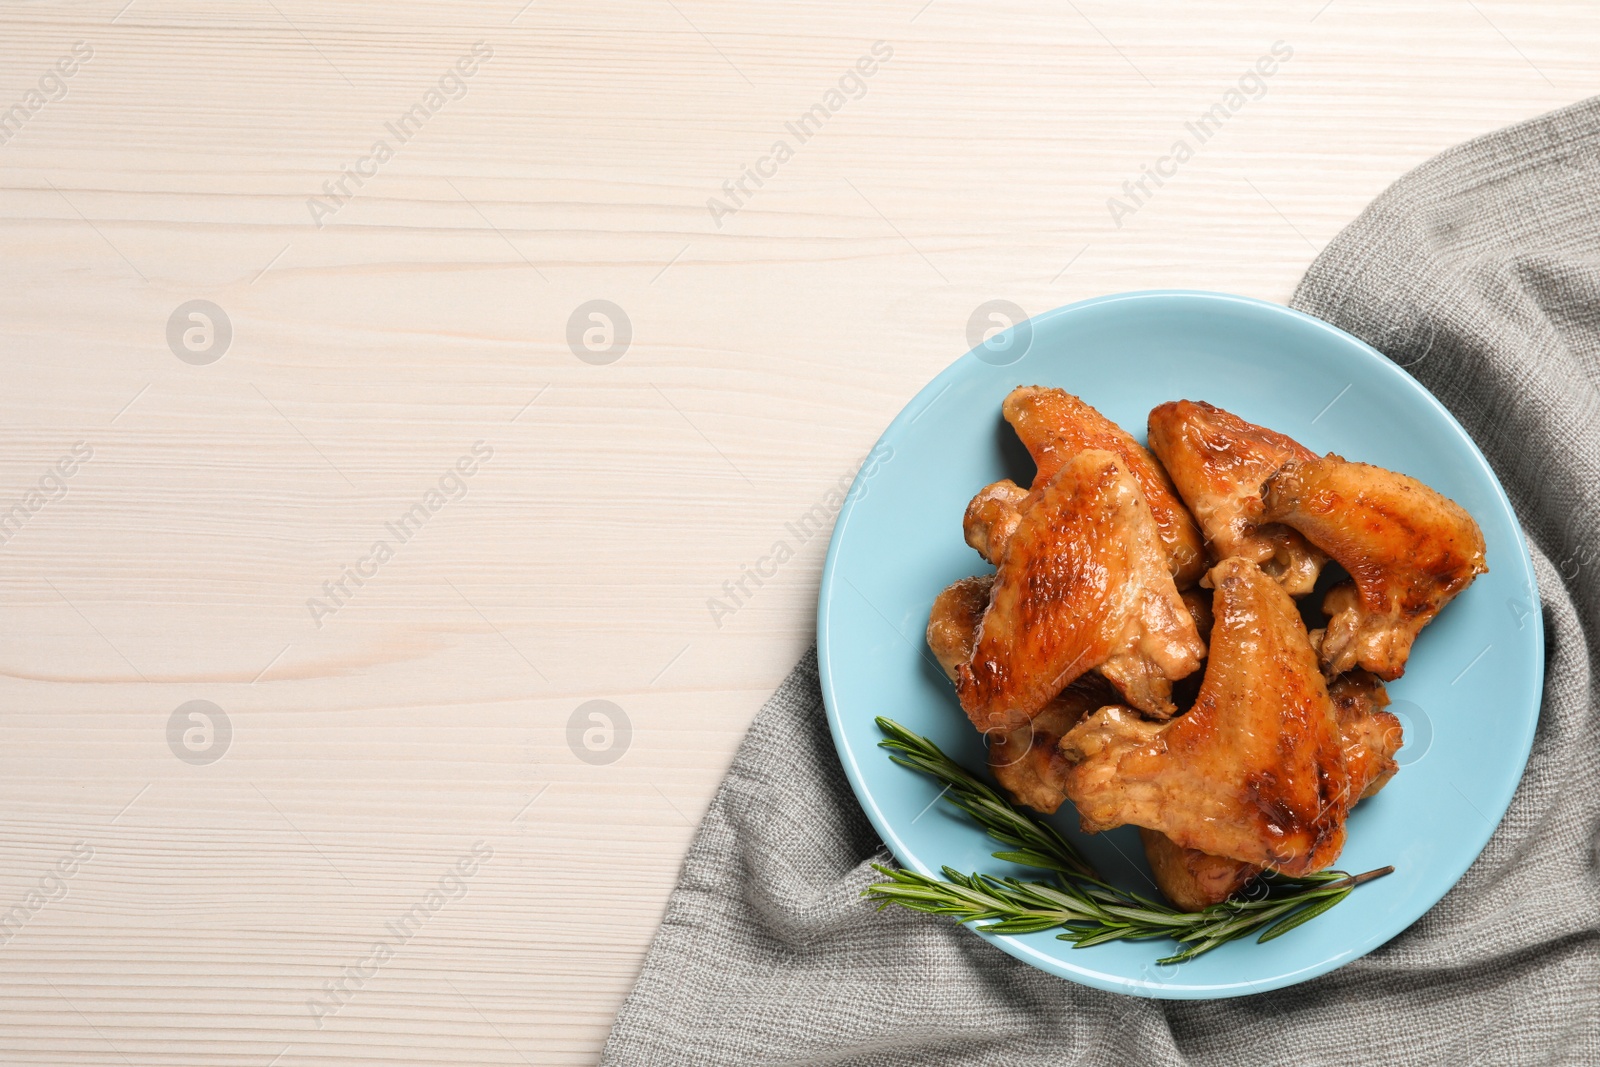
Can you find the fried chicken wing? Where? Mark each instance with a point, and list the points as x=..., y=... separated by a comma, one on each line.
x=1408, y=549
x=1193, y=880
x=1082, y=584
x=1030, y=768
x=1054, y=426
x=992, y=518
x=1255, y=770
x=1218, y=461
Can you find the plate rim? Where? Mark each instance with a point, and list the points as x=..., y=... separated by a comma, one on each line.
x=903, y=854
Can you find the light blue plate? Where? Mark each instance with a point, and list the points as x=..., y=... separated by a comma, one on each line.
x=1469, y=699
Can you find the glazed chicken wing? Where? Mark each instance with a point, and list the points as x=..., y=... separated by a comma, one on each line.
x=1082, y=583
x=1055, y=426
x=1408, y=549
x=992, y=518
x=1255, y=771
x=1193, y=880
x=1218, y=462
x=1030, y=767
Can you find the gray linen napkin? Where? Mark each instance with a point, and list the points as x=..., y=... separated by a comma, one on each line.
x=1480, y=273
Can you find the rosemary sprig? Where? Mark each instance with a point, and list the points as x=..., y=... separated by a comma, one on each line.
x=1087, y=910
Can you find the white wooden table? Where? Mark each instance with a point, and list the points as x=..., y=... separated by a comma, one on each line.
x=388, y=761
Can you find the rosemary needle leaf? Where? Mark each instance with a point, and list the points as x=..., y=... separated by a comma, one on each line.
x=1306, y=914
x=1110, y=933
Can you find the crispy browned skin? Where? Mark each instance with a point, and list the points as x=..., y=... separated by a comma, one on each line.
x=1408, y=549
x=1054, y=426
x=1188, y=877
x=1218, y=461
x=1082, y=583
x=992, y=517
x=1255, y=771
x=1371, y=735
